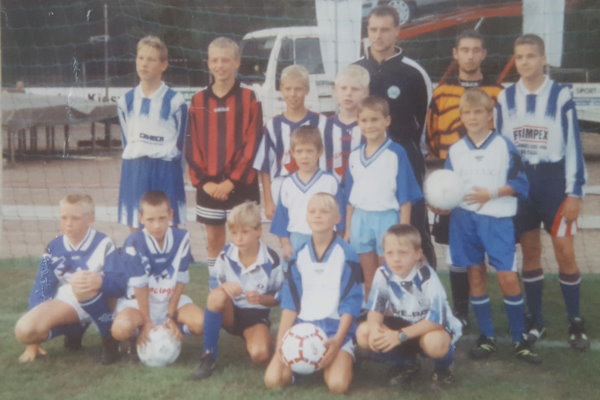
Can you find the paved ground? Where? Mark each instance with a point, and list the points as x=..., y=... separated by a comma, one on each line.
x=32, y=188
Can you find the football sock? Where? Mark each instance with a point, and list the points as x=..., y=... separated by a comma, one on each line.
x=515, y=310
x=75, y=329
x=533, y=281
x=98, y=310
x=570, y=285
x=482, y=309
x=445, y=362
x=459, y=283
x=212, y=327
x=212, y=279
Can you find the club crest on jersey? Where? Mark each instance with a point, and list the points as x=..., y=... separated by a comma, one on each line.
x=393, y=92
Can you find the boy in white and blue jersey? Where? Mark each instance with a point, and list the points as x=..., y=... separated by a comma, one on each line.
x=55, y=307
x=492, y=176
x=380, y=187
x=289, y=221
x=273, y=159
x=153, y=121
x=323, y=286
x=538, y=115
x=409, y=311
x=244, y=286
x=157, y=260
x=342, y=133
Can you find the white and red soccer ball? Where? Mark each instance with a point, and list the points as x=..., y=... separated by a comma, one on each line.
x=444, y=189
x=161, y=349
x=303, y=348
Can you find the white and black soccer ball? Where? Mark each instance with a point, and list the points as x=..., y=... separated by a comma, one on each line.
x=161, y=349
x=444, y=189
x=303, y=348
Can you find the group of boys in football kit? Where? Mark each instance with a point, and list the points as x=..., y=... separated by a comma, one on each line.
x=345, y=197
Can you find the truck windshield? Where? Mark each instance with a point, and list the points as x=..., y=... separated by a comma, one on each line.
x=255, y=57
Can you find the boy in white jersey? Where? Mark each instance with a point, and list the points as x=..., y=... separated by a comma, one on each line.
x=323, y=286
x=289, y=221
x=538, y=115
x=492, y=176
x=54, y=307
x=153, y=121
x=273, y=159
x=379, y=184
x=408, y=311
x=342, y=134
x=245, y=281
x=157, y=260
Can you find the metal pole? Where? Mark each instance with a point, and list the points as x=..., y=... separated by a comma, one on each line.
x=105, y=52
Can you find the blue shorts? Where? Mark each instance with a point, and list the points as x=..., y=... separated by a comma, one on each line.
x=330, y=326
x=546, y=195
x=473, y=235
x=368, y=227
x=140, y=175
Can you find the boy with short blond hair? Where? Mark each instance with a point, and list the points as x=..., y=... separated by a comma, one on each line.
x=408, y=311
x=157, y=260
x=539, y=116
x=380, y=186
x=323, y=286
x=224, y=131
x=244, y=285
x=153, y=120
x=273, y=159
x=289, y=221
x=492, y=175
x=55, y=307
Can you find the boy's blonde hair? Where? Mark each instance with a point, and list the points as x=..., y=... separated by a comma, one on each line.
x=306, y=135
x=154, y=198
x=475, y=97
x=296, y=72
x=245, y=214
x=375, y=103
x=531, y=39
x=355, y=74
x=223, y=42
x=156, y=43
x=327, y=200
x=405, y=234
x=84, y=201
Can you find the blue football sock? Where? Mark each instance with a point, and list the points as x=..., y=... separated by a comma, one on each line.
x=482, y=309
x=75, y=329
x=515, y=310
x=212, y=328
x=570, y=285
x=445, y=362
x=98, y=310
x=533, y=282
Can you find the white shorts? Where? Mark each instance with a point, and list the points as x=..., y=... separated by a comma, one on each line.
x=158, y=311
x=65, y=294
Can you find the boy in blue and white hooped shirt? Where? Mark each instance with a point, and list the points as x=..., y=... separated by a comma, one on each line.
x=153, y=120
x=409, y=312
x=244, y=286
x=323, y=286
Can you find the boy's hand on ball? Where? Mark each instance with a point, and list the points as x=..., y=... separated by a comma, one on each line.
x=143, y=338
x=333, y=346
x=172, y=326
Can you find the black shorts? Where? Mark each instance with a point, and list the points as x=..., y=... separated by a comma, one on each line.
x=409, y=348
x=244, y=318
x=214, y=212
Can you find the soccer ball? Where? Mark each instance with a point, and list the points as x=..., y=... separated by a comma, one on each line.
x=444, y=189
x=303, y=348
x=162, y=348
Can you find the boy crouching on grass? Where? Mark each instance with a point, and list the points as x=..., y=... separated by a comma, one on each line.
x=55, y=304
x=323, y=286
x=157, y=259
x=244, y=283
x=408, y=311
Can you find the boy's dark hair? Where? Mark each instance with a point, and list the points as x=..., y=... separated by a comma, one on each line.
x=385, y=11
x=404, y=232
x=375, y=103
x=469, y=34
x=307, y=135
x=155, y=198
x=532, y=39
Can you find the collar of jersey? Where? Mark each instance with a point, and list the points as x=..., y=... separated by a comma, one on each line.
x=157, y=93
x=234, y=255
x=366, y=161
x=153, y=246
x=83, y=245
x=397, y=278
x=295, y=125
x=398, y=53
x=233, y=89
x=313, y=254
x=543, y=87
x=306, y=186
x=339, y=123
x=486, y=142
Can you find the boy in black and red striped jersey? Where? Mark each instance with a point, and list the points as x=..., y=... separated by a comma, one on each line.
x=224, y=130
